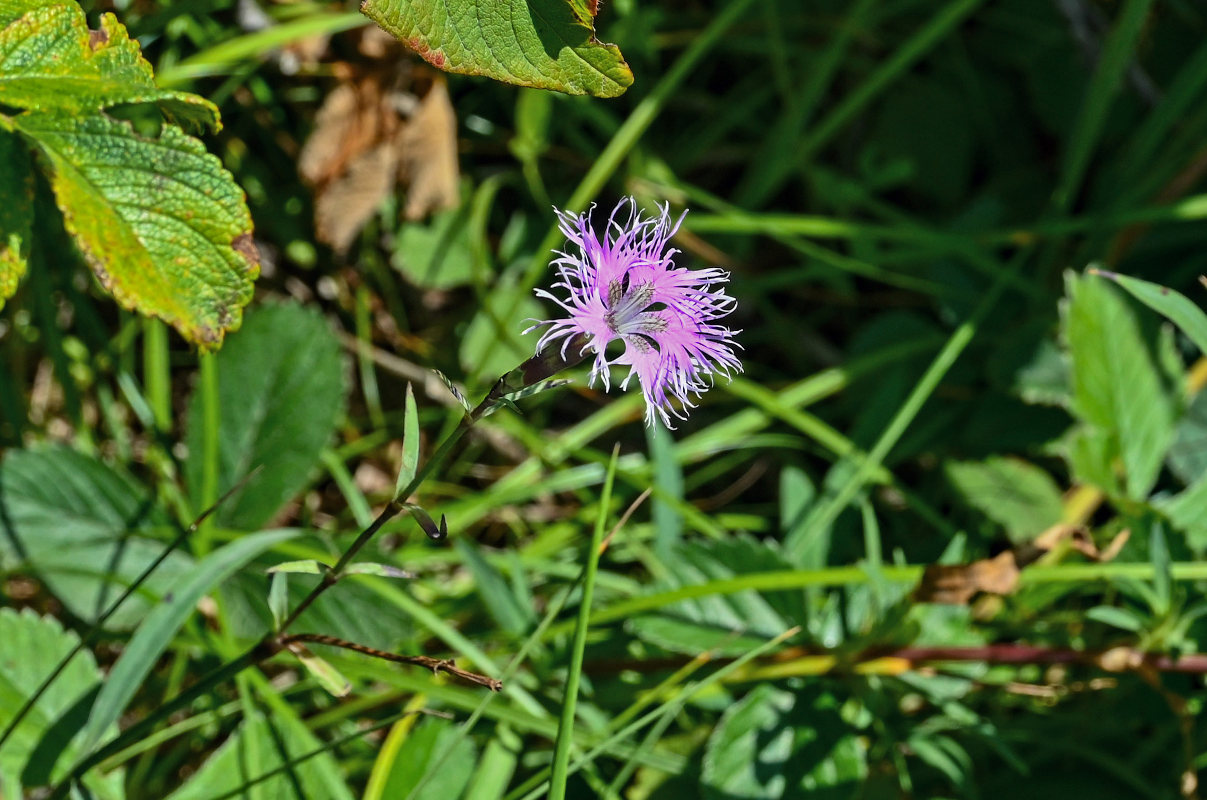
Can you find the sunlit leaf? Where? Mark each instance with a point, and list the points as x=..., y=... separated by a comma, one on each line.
x=162, y=224
x=547, y=44
x=52, y=62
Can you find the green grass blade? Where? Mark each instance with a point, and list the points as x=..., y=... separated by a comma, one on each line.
x=565, y=730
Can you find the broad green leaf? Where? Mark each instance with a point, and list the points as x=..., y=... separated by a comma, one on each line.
x=1016, y=494
x=16, y=212
x=1117, y=388
x=280, y=394
x=82, y=527
x=50, y=61
x=546, y=44
x=1172, y=305
x=46, y=738
x=156, y=632
x=227, y=769
x=354, y=610
x=12, y=10
x=163, y=225
x=1091, y=454
x=777, y=744
x=428, y=741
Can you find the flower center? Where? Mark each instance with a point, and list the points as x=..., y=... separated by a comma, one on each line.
x=626, y=306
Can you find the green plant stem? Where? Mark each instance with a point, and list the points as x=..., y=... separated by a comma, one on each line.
x=565, y=730
x=211, y=421
x=156, y=373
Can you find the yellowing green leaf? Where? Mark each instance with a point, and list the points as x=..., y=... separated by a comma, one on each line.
x=547, y=44
x=163, y=225
x=51, y=61
x=16, y=212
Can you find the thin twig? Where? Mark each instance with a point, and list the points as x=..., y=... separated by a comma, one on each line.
x=436, y=665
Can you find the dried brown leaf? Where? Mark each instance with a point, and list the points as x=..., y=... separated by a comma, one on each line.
x=346, y=203
x=363, y=143
x=429, y=154
x=957, y=584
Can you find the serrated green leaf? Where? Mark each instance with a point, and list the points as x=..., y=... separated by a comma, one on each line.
x=546, y=44
x=16, y=212
x=1116, y=386
x=163, y=225
x=328, y=676
x=51, y=62
x=1172, y=305
x=1188, y=453
x=48, y=736
x=410, y=444
x=776, y=744
x=84, y=528
x=12, y=10
x=280, y=394
x=1017, y=495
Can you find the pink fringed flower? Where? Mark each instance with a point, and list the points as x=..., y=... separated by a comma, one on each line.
x=624, y=286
